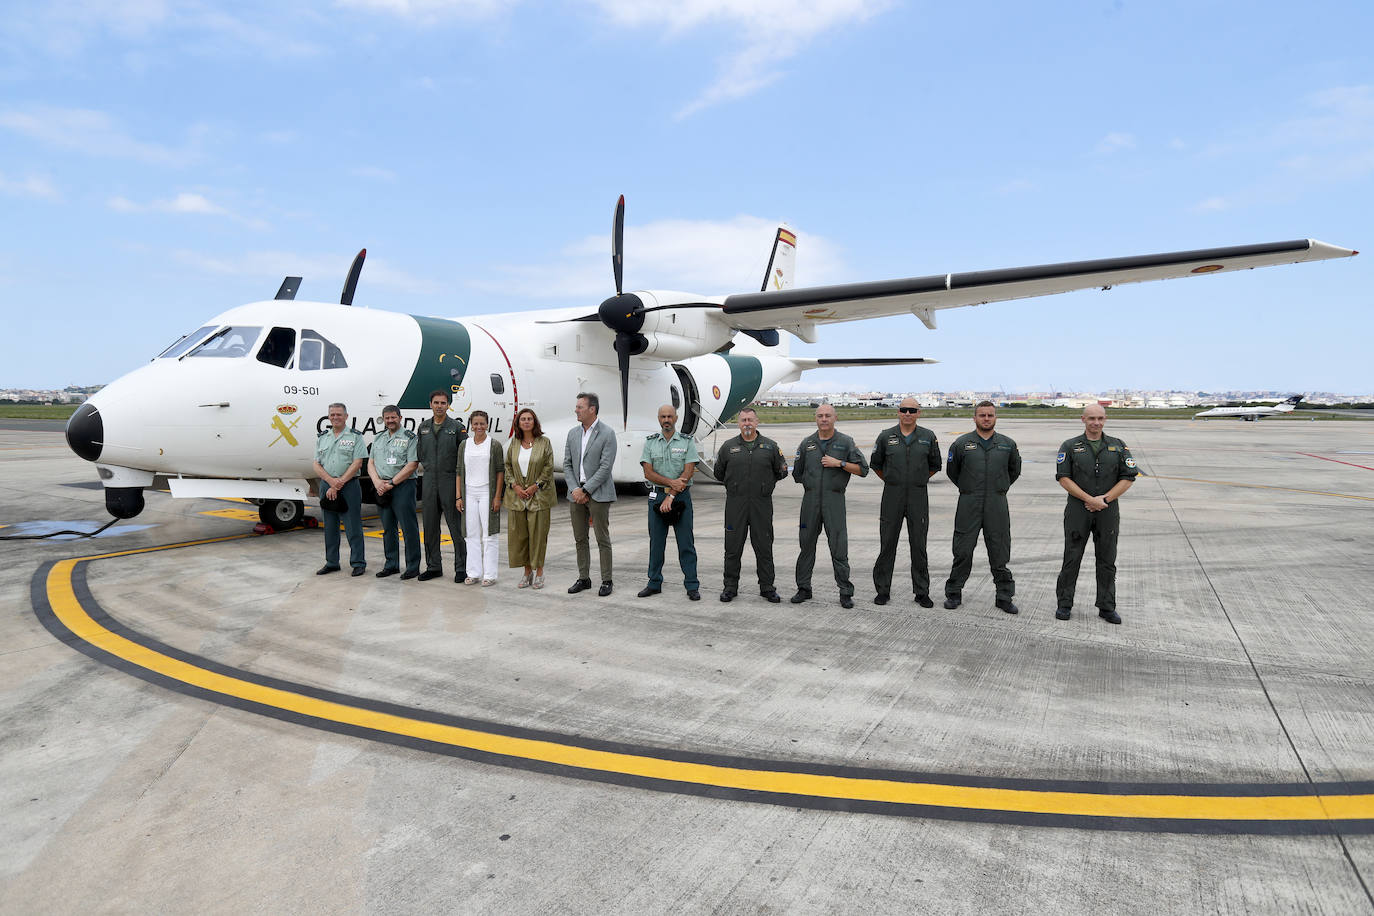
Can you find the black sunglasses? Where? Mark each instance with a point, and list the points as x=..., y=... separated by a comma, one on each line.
x=908, y=410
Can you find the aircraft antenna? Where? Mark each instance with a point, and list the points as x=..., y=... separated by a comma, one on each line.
x=351, y=283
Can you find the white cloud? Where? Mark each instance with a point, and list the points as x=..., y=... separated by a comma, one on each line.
x=323, y=274
x=432, y=10
x=708, y=257
x=767, y=33
x=93, y=133
x=186, y=202
x=1115, y=141
x=1212, y=205
x=375, y=173
x=29, y=186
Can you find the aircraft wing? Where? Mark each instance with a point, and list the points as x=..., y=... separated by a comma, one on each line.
x=800, y=310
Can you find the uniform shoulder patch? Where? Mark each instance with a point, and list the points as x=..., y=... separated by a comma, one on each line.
x=1130, y=463
x=1060, y=459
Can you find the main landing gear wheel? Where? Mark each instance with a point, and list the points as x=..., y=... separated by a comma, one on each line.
x=281, y=514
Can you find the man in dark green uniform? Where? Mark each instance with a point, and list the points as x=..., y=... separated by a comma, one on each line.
x=983, y=464
x=825, y=461
x=437, y=449
x=905, y=457
x=750, y=466
x=1094, y=469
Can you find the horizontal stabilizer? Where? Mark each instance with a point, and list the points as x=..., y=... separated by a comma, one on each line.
x=803, y=363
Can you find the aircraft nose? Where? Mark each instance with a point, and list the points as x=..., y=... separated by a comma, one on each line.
x=86, y=432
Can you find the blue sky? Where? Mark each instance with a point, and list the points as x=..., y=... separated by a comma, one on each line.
x=161, y=161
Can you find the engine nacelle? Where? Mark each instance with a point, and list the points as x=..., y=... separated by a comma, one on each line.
x=677, y=333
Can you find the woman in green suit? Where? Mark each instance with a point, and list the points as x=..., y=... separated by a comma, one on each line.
x=529, y=497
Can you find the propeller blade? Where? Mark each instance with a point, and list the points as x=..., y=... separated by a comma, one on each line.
x=288, y=288
x=622, y=352
x=618, y=244
x=351, y=284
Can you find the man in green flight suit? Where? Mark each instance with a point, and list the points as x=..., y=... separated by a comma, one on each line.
x=825, y=461
x=1094, y=469
x=905, y=457
x=437, y=450
x=750, y=466
x=983, y=464
x=391, y=467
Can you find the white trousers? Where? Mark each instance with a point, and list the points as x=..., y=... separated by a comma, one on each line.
x=482, y=547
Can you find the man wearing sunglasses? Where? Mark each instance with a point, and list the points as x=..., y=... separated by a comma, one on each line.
x=905, y=457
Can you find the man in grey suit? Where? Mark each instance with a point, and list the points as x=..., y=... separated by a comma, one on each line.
x=588, y=456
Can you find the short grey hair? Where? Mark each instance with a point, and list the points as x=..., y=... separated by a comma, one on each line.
x=339, y=404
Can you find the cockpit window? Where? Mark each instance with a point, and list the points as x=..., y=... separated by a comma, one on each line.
x=317, y=352
x=278, y=348
x=185, y=342
x=228, y=343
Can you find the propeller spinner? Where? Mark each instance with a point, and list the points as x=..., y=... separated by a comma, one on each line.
x=623, y=313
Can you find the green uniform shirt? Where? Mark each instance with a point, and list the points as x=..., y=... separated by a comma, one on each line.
x=392, y=453
x=669, y=456
x=1095, y=473
x=336, y=453
x=750, y=468
x=906, y=460
x=808, y=471
x=977, y=465
x=437, y=448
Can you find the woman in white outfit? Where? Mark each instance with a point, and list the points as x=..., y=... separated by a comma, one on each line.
x=481, y=483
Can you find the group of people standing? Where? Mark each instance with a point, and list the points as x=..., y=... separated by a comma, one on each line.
x=469, y=477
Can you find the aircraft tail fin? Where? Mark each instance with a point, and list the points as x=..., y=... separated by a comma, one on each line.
x=782, y=262
x=1290, y=404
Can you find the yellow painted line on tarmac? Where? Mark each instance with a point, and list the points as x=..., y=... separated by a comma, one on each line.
x=642, y=763
x=242, y=515
x=1261, y=486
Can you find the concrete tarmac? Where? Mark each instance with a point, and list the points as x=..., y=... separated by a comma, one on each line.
x=1012, y=764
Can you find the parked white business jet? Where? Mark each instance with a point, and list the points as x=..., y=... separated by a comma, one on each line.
x=1250, y=413
x=232, y=409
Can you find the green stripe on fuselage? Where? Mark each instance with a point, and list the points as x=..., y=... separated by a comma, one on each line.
x=746, y=375
x=445, y=349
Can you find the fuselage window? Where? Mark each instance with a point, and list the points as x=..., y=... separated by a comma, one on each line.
x=228, y=343
x=317, y=352
x=498, y=384
x=278, y=348
x=185, y=342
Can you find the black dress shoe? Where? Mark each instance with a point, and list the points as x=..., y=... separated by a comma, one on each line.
x=647, y=591
x=605, y=588
x=1005, y=605
x=581, y=585
x=880, y=598
x=846, y=602
x=803, y=594
x=459, y=576
x=430, y=574
x=1109, y=616
x=387, y=572
x=951, y=603
x=410, y=574
x=771, y=596
x=727, y=595
x=326, y=570
x=1063, y=613
x=359, y=570
x=924, y=601
x=693, y=594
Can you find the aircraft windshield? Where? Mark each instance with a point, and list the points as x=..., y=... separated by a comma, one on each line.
x=185, y=342
x=228, y=343
x=319, y=353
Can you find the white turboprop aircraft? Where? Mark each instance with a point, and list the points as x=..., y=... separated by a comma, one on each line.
x=233, y=408
x=1250, y=413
